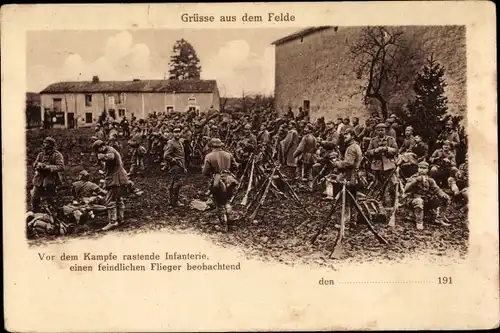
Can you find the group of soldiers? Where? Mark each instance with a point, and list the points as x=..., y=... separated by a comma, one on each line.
x=309, y=153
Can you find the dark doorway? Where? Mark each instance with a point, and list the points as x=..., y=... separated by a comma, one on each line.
x=71, y=120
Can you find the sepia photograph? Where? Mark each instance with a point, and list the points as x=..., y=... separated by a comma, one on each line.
x=297, y=145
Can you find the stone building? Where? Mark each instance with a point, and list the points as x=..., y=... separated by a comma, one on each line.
x=79, y=104
x=314, y=69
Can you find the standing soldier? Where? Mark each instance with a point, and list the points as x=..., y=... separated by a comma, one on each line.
x=174, y=157
x=264, y=139
x=421, y=190
x=359, y=130
x=383, y=149
x=48, y=167
x=305, y=153
x=218, y=165
x=137, y=157
x=246, y=146
x=125, y=127
x=288, y=146
x=187, y=138
x=116, y=181
x=350, y=166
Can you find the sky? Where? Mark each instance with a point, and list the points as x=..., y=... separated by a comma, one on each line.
x=239, y=59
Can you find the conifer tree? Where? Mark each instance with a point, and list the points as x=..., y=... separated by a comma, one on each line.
x=426, y=112
x=184, y=63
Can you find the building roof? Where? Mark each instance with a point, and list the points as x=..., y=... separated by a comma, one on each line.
x=160, y=86
x=300, y=33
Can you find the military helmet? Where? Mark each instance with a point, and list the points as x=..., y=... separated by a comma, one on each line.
x=97, y=144
x=216, y=143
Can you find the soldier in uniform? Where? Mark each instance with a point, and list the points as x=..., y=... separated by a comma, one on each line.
x=288, y=146
x=116, y=180
x=383, y=150
x=422, y=190
x=137, y=153
x=359, y=130
x=218, y=165
x=174, y=157
x=444, y=166
x=420, y=149
x=349, y=166
x=305, y=152
x=49, y=165
x=246, y=146
x=408, y=141
x=451, y=135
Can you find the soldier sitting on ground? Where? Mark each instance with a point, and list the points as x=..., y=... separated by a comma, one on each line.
x=423, y=192
x=87, y=197
x=444, y=166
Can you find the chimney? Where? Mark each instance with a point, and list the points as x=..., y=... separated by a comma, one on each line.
x=95, y=79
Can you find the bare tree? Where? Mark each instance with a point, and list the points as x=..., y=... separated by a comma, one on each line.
x=376, y=57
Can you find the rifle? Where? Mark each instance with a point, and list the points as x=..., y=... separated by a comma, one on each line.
x=249, y=188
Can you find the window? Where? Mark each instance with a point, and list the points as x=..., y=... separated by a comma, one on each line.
x=169, y=108
x=112, y=113
x=57, y=104
x=192, y=100
x=121, y=98
x=88, y=117
x=307, y=105
x=121, y=112
x=111, y=100
x=88, y=100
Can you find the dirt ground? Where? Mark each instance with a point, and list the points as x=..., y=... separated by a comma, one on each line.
x=274, y=236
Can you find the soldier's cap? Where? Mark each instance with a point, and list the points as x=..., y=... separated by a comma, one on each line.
x=292, y=123
x=248, y=126
x=349, y=130
x=84, y=174
x=177, y=130
x=393, y=116
x=390, y=120
x=409, y=128
x=216, y=143
x=423, y=164
x=381, y=125
x=49, y=140
x=214, y=126
x=97, y=144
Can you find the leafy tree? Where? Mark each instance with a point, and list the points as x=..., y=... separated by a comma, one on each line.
x=429, y=108
x=184, y=63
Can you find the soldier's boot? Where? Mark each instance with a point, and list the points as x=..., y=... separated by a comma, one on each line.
x=120, y=212
x=329, y=190
x=174, y=197
x=229, y=211
x=452, y=183
x=436, y=217
x=35, y=205
x=419, y=218
x=112, y=217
